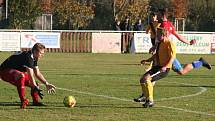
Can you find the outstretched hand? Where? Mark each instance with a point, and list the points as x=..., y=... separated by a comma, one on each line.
x=193, y=41
x=50, y=88
x=143, y=62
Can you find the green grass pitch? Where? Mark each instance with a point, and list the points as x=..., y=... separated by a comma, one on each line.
x=104, y=86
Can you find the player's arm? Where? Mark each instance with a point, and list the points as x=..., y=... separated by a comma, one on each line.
x=30, y=71
x=180, y=38
x=50, y=87
x=148, y=60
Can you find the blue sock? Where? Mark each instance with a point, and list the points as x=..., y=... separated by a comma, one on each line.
x=197, y=64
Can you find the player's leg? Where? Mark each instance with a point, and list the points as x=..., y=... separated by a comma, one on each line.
x=34, y=94
x=16, y=78
x=195, y=65
x=144, y=94
x=149, y=85
x=142, y=97
x=187, y=68
x=177, y=67
x=204, y=63
x=149, y=91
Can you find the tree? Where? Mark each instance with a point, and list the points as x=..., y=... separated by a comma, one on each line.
x=160, y=4
x=200, y=15
x=107, y=11
x=71, y=14
x=134, y=9
x=23, y=13
x=46, y=6
x=180, y=12
x=180, y=8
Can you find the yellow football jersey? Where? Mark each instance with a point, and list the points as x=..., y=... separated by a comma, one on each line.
x=166, y=51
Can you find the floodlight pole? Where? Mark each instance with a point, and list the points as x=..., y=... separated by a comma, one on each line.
x=6, y=9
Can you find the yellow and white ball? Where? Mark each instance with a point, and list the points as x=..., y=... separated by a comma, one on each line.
x=69, y=101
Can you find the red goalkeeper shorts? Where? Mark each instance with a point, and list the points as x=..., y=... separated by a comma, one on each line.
x=13, y=76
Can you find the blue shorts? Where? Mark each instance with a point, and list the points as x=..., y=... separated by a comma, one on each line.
x=176, y=65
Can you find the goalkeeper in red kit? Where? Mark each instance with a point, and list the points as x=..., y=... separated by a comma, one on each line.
x=19, y=70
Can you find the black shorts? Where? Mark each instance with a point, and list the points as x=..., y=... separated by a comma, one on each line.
x=156, y=74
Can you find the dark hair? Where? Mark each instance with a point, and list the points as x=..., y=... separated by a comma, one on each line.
x=163, y=11
x=153, y=14
x=38, y=47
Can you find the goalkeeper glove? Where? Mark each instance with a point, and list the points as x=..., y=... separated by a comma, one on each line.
x=39, y=91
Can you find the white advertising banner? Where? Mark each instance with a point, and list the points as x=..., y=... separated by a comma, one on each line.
x=141, y=43
x=106, y=42
x=202, y=46
x=9, y=41
x=50, y=40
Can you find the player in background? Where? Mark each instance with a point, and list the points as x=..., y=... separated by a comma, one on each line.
x=152, y=28
x=166, y=55
x=19, y=70
x=164, y=23
x=177, y=66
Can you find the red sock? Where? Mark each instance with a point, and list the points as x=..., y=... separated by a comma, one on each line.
x=21, y=88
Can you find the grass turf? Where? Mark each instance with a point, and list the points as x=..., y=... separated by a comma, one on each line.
x=104, y=86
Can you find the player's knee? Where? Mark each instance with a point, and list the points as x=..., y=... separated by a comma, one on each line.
x=145, y=79
x=19, y=76
x=148, y=78
x=180, y=72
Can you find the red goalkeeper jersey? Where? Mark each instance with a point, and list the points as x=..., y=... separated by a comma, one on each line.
x=168, y=25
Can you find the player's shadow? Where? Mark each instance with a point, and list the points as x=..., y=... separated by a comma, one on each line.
x=98, y=74
x=109, y=105
x=192, y=76
x=59, y=105
x=9, y=104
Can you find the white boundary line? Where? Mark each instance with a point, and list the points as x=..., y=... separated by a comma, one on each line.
x=173, y=108
x=203, y=89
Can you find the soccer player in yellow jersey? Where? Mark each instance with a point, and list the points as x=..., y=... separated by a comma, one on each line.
x=166, y=54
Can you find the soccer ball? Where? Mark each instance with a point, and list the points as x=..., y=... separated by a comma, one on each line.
x=69, y=101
